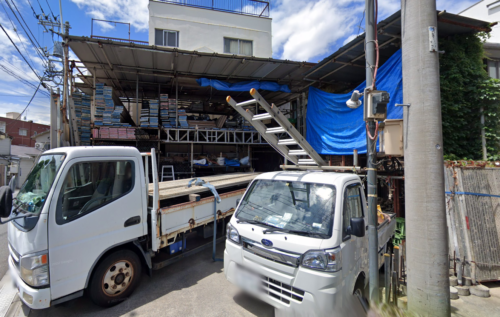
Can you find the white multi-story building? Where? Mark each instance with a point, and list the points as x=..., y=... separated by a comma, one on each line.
x=488, y=10
x=227, y=27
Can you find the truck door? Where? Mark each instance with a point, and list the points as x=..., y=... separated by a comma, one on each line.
x=97, y=205
x=352, y=246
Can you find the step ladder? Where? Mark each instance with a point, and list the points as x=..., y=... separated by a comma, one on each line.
x=302, y=154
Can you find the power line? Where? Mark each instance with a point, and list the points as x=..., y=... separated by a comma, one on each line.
x=28, y=102
x=55, y=18
x=37, y=45
x=15, y=30
x=1, y=26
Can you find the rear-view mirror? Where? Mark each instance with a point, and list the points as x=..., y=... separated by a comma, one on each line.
x=5, y=201
x=358, y=227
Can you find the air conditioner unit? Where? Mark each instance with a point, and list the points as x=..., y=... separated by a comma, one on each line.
x=41, y=146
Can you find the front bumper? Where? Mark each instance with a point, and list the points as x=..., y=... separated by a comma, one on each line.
x=291, y=291
x=40, y=298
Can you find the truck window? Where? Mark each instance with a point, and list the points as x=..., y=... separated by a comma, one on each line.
x=91, y=185
x=352, y=207
x=306, y=208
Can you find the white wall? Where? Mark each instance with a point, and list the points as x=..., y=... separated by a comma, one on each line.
x=481, y=11
x=24, y=167
x=204, y=30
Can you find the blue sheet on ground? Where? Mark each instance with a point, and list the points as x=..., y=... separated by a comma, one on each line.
x=242, y=86
x=334, y=129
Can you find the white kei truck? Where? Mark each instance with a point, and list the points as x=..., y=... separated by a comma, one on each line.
x=88, y=219
x=297, y=238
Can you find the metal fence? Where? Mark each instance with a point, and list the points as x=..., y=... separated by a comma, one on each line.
x=258, y=8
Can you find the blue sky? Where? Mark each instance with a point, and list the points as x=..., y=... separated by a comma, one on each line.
x=302, y=30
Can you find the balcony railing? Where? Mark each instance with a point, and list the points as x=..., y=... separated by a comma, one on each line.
x=259, y=8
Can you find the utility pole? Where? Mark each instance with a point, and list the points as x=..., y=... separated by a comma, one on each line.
x=371, y=152
x=426, y=230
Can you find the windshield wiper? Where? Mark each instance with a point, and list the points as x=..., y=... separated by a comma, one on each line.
x=311, y=234
x=255, y=222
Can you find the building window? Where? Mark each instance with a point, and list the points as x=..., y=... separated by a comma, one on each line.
x=23, y=132
x=166, y=38
x=2, y=126
x=493, y=69
x=238, y=47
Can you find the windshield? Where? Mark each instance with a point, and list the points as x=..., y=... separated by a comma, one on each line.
x=292, y=206
x=32, y=195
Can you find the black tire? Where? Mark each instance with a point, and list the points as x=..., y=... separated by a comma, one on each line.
x=361, y=291
x=103, y=289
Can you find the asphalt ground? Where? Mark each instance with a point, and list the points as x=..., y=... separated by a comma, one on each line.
x=194, y=286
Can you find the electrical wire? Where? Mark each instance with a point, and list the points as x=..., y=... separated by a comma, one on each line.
x=361, y=21
x=55, y=18
x=376, y=49
x=32, y=97
x=15, y=30
x=37, y=45
x=20, y=53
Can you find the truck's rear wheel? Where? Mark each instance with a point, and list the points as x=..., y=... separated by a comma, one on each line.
x=115, y=278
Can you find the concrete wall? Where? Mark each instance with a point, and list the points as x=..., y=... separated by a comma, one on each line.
x=486, y=10
x=204, y=30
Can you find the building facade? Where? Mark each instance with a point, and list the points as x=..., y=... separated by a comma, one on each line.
x=488, y=10
x=237, y=27
x=21, y=131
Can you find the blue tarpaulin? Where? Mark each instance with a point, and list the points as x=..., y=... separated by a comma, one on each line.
x=335, y=129
x=242, y=86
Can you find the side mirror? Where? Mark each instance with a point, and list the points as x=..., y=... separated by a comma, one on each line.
x=5, y=201
x=358, y=227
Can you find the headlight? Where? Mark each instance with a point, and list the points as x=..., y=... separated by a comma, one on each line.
x=327, y=260
x=35, y=269
x=232, y=234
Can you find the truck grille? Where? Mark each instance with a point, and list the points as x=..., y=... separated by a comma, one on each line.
x=281, y=291
x=272, y=254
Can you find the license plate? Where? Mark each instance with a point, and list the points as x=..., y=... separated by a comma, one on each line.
x=248, y=281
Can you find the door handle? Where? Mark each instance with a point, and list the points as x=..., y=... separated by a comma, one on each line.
x=132, y=221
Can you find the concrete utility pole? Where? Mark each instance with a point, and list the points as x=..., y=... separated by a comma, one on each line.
x=426, y=231
x=371, y=152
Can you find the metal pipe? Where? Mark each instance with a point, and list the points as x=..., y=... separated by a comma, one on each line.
x=355, y=158
x=483, y=136
x=394, y=289
x=396, y=264
x=387, y=277
x=58, y=116
x=426, y=228
x=215, y=233
x=373, y=275
x=137, y=100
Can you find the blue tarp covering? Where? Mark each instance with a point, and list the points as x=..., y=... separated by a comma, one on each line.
x=335, y=129
x=242, y=86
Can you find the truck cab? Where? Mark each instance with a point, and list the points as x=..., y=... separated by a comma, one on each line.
x=77, y=204
x=297, y=241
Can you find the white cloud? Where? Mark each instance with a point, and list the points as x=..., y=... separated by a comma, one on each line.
x=134, y=12
x=303, y=30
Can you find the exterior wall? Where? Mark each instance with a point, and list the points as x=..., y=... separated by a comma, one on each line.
x=204, y=30
x=13, y=126
x=486, y=10
x=44, y=138
x=24, y=168
x=5, y=146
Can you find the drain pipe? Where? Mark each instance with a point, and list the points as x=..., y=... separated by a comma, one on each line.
x=217, y=200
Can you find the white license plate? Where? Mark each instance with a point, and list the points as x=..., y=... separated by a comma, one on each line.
x=248, y=281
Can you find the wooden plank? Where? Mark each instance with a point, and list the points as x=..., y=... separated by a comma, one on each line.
x=179, y=188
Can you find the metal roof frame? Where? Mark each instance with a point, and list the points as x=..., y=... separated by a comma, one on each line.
x=343, y=66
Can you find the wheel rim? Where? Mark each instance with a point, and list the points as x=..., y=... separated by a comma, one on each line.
x=118, y=278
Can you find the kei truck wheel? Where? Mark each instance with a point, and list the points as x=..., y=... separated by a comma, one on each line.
x=115, y=278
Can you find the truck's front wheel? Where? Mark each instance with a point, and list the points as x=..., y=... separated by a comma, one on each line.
x=115, y=278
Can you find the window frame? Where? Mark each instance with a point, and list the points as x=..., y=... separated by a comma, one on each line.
x=58, y=212
x=163, y=37
x=346, y=236
x=25, y=132
x=239, y=46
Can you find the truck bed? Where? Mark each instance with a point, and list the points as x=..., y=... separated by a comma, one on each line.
x=178, y=188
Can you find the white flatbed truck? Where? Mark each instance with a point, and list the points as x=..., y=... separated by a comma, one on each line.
x=87, y=219
x=297, y=238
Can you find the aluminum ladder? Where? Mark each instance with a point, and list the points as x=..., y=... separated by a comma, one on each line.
x=282, y=146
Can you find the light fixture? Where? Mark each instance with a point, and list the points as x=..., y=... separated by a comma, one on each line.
x=354, y=102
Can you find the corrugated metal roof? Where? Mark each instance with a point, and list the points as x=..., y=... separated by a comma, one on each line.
x=118, y=65
x=347, y=65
